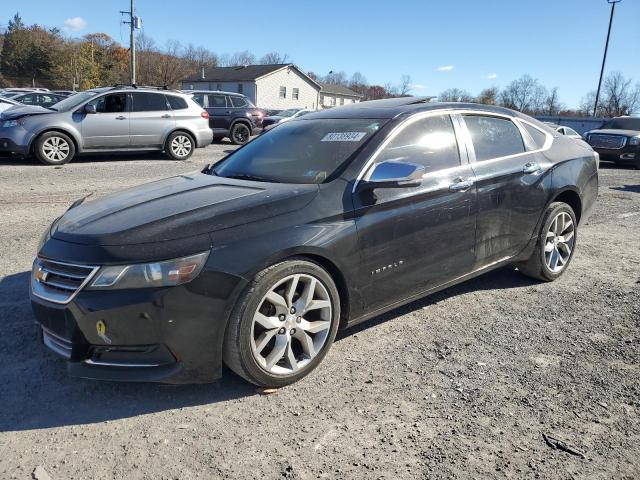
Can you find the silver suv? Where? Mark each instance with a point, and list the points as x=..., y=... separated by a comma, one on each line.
x=105, y=120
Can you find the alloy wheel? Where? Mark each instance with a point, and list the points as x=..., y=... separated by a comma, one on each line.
x=181, y=145
x=291, y=325
x=55, y=149
x=241, y=134
x=559, y=242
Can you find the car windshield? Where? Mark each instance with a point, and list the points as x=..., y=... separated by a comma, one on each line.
x=288, y=113
x=627, y=123
x=300, y=151
x=73, y=101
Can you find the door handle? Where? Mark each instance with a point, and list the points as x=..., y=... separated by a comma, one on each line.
x=460, y=185
x=121, y=117
x=531, y=167
x=166, y=115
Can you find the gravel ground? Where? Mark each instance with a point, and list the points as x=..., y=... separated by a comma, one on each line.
x=462, y=384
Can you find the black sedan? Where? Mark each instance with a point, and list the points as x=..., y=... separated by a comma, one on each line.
x=320, y=224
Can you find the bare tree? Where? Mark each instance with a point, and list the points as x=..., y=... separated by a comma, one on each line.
x=619, y=96
x=524, y=94
x=455, y=95
x=488, y=96
x=239, y=58
x=405, y=85
x=335, y=78
x=273, y=58
x=551, y=104
x=358, y=83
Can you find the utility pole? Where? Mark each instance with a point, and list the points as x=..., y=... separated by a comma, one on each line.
x=604, y=57
x=134, y=22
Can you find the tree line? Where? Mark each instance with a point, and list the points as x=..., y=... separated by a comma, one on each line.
x=617, y=97
x=38, y=56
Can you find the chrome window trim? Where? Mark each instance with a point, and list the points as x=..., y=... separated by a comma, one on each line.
x=395, y=132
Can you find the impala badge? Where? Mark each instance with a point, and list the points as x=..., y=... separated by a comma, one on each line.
x=386, y=268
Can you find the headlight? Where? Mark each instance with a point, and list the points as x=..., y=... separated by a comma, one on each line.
x=634, y=140
x=10, y=123
x=146, y=275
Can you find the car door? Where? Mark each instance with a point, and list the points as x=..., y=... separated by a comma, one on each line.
x=150, y=119
x=109, y=127
x=511, y=187
x=413, y=239
x=219, y=108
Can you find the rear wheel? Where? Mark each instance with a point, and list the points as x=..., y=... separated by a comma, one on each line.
x=555, y=246
x=179, y=146
x=240, y=134
x=54, y=148
x=283, y=325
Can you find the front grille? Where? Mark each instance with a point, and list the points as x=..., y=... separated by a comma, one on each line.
x=612, y=142
x=59, y=282
x=58, y=344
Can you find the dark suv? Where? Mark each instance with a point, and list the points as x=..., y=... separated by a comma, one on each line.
x=231, y=115
x=617, y=141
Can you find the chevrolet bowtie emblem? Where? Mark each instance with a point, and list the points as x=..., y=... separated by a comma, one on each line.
x=41, y=275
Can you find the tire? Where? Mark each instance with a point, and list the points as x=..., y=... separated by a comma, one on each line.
x=54, y=148
x=240, y=134
x=555, y=245
x=268, y=351
x=179, y=146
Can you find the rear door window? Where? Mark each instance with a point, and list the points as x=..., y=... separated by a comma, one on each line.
x=493, y=137
x=217, y=101
x=148, y=102
x=430, y=142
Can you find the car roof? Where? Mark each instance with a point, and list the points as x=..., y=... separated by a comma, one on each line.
x=393, y=107
x=135, y=89
x=189, y=92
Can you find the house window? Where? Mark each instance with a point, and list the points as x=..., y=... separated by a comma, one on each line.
x=240, y=88
x=333, y=101
x=219, y=86
x=296, y=93
x=342, y=101
x=283, y=92
x=321, y=99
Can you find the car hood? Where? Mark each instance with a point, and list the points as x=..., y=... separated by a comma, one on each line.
x=178, y=207
x=611, y=131
x=18, y=111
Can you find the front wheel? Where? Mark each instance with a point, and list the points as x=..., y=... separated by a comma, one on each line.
x=555, y=246
x=54, y=148
x=283, y=325
x=179, y=146
x=240, y=134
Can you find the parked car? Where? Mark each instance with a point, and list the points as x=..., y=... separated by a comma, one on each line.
x=231, y=115
x=322, y=223
x=43, y=99
x=6, y=103
x=66, y=93
x=104, y=120
x=618, y=140
x=284, y=116
x=562, y=130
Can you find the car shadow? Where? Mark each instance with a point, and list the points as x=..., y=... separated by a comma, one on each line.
x=37, y=392
x=627, y=188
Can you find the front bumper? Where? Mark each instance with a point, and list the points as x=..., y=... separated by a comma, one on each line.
x=9, y=145
x=629, y=154
x=169, y=335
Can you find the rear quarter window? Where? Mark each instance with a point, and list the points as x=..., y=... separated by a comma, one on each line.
x=238, y=102
x=538, y=136
x=177, y=103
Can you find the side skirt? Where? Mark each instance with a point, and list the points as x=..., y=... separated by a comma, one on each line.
x=468, y=276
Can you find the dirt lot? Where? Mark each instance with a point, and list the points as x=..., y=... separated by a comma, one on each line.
x=461, y=384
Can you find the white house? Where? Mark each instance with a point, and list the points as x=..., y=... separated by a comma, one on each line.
x=268, y=86
x=337, y=95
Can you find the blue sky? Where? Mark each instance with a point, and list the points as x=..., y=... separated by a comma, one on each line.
x=470, y=44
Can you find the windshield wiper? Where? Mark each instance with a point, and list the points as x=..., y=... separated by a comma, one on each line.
x=254, y=178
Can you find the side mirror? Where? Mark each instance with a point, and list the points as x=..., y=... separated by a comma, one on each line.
x=394, y=174
x=88, y=108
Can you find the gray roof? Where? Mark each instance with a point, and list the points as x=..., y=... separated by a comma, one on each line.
x=331, y=88
x=248, y=73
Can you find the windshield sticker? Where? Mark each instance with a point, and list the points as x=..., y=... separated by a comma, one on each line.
x=343, y=137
